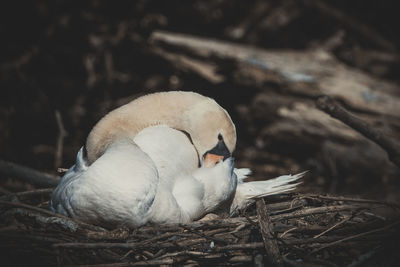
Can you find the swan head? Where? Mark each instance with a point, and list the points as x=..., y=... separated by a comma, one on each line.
x=211, y=130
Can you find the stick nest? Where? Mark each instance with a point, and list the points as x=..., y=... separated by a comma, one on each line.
x=309, y=230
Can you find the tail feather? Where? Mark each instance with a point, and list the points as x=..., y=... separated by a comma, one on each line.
x=247, y=192
x=242, y=174
x=277, y=185
x=279, y=190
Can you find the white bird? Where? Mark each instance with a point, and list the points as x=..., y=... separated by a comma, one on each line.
x=114, y=181
x=157, y=159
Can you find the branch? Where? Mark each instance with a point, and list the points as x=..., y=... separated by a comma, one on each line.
x=365, y=30
x=271, y=246
x=61, y=218
x=356, y=236
x=62, y=133
x=27, y=174
x=314, y=211
x=27, y=194
x=328, y=105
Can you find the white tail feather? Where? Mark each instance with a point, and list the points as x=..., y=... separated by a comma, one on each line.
x=242, y=174
x=247, y=192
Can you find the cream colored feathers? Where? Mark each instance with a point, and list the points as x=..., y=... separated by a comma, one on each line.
x=201, y=117
x=142, y=165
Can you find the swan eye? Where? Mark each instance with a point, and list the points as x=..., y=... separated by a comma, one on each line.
x=220, y=138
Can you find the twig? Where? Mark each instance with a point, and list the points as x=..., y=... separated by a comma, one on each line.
x=241, y=259
x=100, y=245
x=62, y=133
x=287, y=231
x=360, y=200
x=47, y=212
x=255, y=245
x=313, y=211
x=188, y=253
x=355, y=236
x=333, y=227
x=27, y=174
x=271, y=246
x=29, y=207
x=329, y=106
x=325, y=239
x=249, y=219
x=215, y=239
x=278, y=207
x=286, y=210
x=45, y=191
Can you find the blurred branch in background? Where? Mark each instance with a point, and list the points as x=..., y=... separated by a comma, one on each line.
x=328, y=105
x=353, y=23
x=9, y=169
x=62, y=133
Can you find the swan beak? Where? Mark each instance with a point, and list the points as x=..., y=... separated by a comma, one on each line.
x=217, y=154
x=212, y=159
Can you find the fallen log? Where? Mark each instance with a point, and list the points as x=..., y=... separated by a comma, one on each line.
x=317, y=68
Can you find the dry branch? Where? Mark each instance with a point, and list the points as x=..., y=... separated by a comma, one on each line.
x=271, y=246
x=357, y=236
x=72, y=224
x=310, y=73
x=328, y=105
x=62, y=133
x=354, y=24
x=9, y=169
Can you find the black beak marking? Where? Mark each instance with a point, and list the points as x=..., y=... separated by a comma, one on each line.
x=220, y=149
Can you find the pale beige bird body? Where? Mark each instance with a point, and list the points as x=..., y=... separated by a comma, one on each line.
x=162, y=158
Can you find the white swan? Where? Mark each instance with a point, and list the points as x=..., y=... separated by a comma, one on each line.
x=141, y=164
x=114, y=181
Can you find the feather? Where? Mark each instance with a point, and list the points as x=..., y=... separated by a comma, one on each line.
x=247, y=192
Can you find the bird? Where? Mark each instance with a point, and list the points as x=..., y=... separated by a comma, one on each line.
x=162, y=158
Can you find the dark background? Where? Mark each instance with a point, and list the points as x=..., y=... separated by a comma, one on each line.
x=84, y=58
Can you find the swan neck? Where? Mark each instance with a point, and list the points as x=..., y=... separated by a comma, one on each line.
x=128, y=120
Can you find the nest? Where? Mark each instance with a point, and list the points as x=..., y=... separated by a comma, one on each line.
x=294, y=230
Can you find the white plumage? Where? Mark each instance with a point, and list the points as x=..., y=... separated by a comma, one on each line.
x=247, y=192
x=149, y=171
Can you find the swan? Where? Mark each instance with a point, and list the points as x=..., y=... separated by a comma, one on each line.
x=162, y=158
x=114, y=181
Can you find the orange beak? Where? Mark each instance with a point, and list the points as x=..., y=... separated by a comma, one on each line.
x=212, y=159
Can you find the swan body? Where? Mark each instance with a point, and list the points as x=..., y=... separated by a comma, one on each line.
x=146, y=162
x=164, y=188
x=101, y=194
